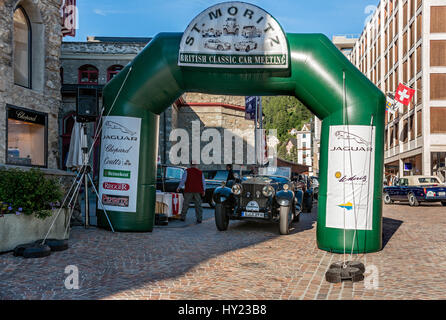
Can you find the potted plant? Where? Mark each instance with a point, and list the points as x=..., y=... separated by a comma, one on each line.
x=28, y=200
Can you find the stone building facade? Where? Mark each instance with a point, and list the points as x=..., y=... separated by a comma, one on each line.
x=98, y=55
x=30, y=40
x=405, y=42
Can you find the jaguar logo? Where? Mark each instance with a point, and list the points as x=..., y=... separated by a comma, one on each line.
x=350, y=136
x=123, y=129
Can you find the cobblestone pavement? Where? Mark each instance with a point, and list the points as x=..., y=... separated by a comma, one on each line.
x=249, y=261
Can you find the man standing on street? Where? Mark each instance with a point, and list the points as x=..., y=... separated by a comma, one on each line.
x=230, y=173
x=194, y=185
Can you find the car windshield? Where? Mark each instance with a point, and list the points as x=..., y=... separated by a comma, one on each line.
x=428, y=180
x=174, y=173
x=266, y=179
x=276, y=171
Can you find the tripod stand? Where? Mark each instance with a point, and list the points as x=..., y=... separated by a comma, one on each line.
x=85, y=172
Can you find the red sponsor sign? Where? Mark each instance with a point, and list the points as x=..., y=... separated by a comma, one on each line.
x=116, y=186
x=116, y=201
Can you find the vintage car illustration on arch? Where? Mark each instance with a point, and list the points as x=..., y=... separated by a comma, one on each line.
x=245, y=46
x=215, y=44
x=251, y=32
x=416, y=189
x=211, y=33
x=231, y=27
x=261, y=197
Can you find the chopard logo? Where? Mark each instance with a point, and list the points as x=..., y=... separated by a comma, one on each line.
x=354, y=178
x=350, y=136
x=23, y=116
x=114, y=125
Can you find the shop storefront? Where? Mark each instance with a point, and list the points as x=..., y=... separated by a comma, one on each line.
x=438, y=165
x=412, y=165
x=26, y=137
x=391, y=171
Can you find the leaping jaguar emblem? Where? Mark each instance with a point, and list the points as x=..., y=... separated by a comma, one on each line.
x=350, y=136
x=115, y=125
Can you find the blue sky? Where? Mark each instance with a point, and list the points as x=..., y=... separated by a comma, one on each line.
x=146, y=18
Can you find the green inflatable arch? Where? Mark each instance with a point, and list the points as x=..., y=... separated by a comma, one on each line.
x=153, y=81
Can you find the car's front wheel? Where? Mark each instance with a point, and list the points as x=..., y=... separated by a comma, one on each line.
x=284, y=223
x=221, y=218
x=413, y=202
x=387, y=199
x=211, y=202
x=443, y=203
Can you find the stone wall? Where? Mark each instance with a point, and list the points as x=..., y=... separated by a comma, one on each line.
x=44, y=96
x=218, y=112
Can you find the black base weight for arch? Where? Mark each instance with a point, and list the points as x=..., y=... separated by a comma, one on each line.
x=348, y=271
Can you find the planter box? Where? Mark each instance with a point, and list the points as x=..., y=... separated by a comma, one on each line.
x=15, y=230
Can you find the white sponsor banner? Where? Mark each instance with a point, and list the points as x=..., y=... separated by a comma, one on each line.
x=234, y=35
x=351, y=167
x=118, y=177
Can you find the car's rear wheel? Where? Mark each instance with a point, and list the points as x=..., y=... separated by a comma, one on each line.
x=387, y=199
x=221, y=218
x=413, y=202
x=284, y=223
x=220, y=47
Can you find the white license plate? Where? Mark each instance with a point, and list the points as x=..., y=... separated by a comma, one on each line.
x=442, y=194
x=250, y=214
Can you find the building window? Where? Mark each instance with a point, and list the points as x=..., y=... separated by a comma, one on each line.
x=26, y=137
x=88, y=74
x=438, y=164
x=22, y=48
x=113, y=70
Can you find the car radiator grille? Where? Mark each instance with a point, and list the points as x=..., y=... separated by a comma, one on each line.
x=249, y=194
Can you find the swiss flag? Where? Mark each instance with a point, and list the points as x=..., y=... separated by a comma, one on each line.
x=404, y=94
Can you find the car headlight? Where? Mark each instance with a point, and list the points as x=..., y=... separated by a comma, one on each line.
x=236, y=189
x=268, y=191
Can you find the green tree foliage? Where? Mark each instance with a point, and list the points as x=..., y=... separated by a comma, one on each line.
x=284, y=113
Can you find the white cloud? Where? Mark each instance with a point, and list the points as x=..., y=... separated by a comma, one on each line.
x=100, y=12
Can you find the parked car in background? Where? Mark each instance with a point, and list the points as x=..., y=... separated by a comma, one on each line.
x=315, y=181
x=306, y=184
x=416, y=189
x=168, y=179
x=262, y=197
